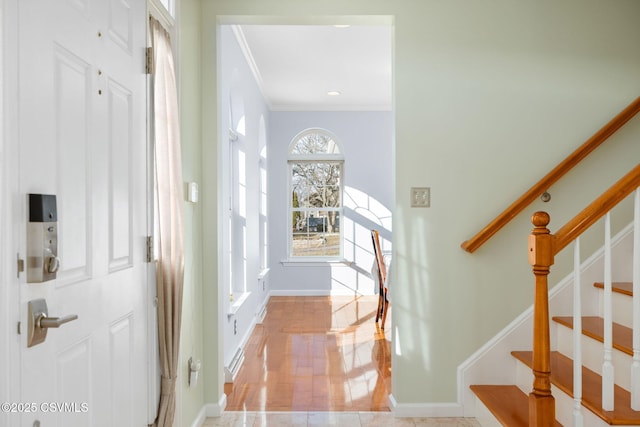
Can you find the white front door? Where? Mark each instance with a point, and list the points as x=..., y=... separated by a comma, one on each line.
x=81, y=108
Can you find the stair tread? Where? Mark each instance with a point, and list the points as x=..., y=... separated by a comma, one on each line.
x=562, y=377
x=625, y=288
x=507, y=403
x=593, y=326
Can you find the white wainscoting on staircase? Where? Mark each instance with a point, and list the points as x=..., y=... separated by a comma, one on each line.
x=494, y=363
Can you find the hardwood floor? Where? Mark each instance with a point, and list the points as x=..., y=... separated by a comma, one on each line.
x=315, y=354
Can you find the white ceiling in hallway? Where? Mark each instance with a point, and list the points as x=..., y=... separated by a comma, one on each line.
x=297, y=65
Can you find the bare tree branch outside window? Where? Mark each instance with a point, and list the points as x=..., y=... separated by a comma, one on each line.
x=316, y=197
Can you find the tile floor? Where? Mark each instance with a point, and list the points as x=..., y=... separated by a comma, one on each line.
x=340, y=419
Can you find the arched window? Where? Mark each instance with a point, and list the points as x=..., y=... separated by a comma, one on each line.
x=316, y=168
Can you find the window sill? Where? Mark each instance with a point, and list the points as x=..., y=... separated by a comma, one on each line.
x=263, y=273
x=237, y=303
x=316, y=263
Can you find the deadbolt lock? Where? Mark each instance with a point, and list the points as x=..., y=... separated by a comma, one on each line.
x=42, y=238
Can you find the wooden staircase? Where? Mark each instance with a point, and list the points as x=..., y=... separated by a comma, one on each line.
x=509, y=403
x=542, y=398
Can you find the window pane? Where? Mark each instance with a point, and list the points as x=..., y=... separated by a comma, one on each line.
x=315, y=143
x=332, y=234
x=302, y=185
x=300, y=234
x=315, y=184
x=331, y=173
x=332, y=196
x=332, y=221
x=315, y=233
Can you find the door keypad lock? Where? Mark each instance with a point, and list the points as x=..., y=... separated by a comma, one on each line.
x=42, y=238
x=40, y=322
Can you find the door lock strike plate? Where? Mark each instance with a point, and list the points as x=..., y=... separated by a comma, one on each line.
x=20, y=263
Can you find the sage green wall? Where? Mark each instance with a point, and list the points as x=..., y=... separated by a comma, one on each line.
x=191, y=342
x=489, y=96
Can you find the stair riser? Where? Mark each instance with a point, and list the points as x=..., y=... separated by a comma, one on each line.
x=622, y=306
x=487, y=367
x=564, y=402
x=484, y=415
x=593, y=355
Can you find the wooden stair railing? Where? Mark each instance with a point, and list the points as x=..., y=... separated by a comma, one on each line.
x=597, y=209
x=543, y=246
x=552, y=177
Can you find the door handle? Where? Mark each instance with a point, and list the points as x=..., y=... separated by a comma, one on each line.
x=40, y=322
x=54, y=322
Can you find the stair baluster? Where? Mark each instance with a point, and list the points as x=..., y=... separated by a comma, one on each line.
x=635, y=366
x=578, y=419
x=607, y=364
x=588, y=387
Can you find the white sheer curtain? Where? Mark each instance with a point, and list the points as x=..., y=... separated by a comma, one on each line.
x=170, y=263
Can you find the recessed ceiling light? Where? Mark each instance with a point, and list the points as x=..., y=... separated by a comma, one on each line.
x=333, y=93
x=342, y=26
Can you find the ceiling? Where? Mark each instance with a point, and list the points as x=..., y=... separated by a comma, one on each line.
x=297, y=65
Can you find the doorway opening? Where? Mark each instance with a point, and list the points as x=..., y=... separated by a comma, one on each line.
x=276, y=82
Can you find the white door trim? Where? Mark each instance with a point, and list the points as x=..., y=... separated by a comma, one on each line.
x=4, y=229
x=9, y=248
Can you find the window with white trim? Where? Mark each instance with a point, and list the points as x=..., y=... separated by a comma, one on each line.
x=316, y=168
x=264, y=240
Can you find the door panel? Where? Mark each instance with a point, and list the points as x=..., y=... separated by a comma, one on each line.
x=121, y=369
x=120, y=194
x=82, y=137
x=121, y=24
x=74, y=366
x=72, y=110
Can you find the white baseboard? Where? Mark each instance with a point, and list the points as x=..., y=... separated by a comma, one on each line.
x=200, y=418
x=214, y=410
x=423, y=410
x=299, y=293
x=313, y=293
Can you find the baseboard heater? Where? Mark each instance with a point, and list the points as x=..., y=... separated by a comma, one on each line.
x=261, y=315
x=231, y=371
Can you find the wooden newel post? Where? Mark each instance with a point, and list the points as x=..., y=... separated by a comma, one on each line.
x=541, y=403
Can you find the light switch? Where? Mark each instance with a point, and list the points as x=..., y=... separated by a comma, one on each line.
x=420, y=197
